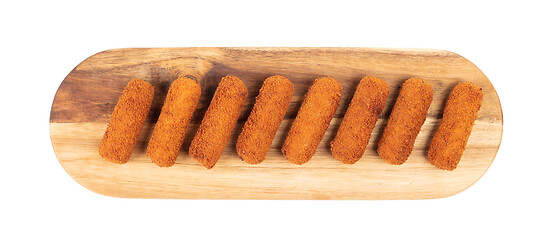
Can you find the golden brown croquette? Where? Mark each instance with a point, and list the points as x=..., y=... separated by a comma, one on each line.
x=312, y=121
x=449, y=142
x=126, y=121
x=219, y=121
x=406, y=120
x=265, y=118
x=356, y=128
x=177, y=111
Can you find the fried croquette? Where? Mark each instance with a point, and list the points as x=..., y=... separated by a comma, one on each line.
x=359, y=120
x=449, y=142
x=270, y=107
x=126, y=122
x=312, y=121
x=219, y=121
x=177, y=111
x=406, y=120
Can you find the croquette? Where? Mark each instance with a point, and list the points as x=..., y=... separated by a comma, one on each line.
x=356, y=128
x=177, y=111
x=312, y=121
x=219, y=121
x=126, y=122
x=406, y=120
x=449, y=142
x=264, y=120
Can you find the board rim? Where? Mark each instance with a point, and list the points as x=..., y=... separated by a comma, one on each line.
x=429, y=50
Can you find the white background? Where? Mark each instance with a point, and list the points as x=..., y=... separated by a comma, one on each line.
x=41, y=42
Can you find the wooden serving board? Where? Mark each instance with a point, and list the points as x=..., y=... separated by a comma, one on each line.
x=86, y=98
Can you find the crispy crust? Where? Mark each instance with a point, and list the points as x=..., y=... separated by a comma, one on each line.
x=359, y=120
x=265, y=118
x=126, y=122
x=312, y=121
x=406, y=120
x=177, y=111
x=219, y=121
x=449, y=142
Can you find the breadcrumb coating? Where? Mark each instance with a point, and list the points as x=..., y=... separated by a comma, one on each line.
x=126, y=122
x=359, y=120
x=312, y=121
x=219, y=121
x=449, y=142
x=170, y=129
x=406, y=120
x=270, y=107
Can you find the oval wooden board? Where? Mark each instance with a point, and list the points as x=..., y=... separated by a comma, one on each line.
x=86, y=98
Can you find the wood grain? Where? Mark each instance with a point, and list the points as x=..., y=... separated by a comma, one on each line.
x=86, y=98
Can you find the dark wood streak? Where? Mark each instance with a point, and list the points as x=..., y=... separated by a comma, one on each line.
x=90, y=92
